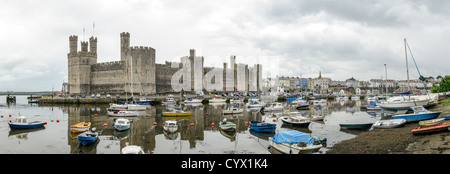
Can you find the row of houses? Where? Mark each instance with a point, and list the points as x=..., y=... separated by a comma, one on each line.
x=326, y=85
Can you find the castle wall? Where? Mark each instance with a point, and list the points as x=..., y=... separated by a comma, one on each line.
x=142, y=60
x=108, y=78
x=163, y=76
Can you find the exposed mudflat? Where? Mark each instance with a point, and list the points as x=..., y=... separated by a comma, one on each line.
x=397, y=141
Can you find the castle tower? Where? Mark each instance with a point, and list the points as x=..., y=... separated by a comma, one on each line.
x=93, y=45
x=73, y=44
x=124, y=44
x=84, y=46
x=79, y=66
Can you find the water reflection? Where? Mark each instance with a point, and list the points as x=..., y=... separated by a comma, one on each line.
x=195, y=133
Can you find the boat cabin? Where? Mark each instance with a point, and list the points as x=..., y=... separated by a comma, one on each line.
x=21, y=119
x=418, y=109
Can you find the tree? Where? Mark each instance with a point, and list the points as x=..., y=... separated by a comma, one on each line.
x=444, y=85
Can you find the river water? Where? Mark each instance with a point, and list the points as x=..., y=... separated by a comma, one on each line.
x=200, y=138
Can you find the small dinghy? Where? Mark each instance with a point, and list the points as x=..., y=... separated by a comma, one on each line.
x=262, y=127
x=430, y=129
x=22, y=122
x=88, y=138
x=80, y=127
x=387, y=124
x=431, y=122
x=226, y=125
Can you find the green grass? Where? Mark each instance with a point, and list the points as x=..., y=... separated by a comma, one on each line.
x=445, y=102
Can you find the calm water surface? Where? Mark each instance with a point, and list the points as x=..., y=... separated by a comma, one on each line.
x=201, y=138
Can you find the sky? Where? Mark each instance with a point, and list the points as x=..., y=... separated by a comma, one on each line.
x=341, y=38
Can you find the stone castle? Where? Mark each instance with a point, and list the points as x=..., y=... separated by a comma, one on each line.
x=137, y=71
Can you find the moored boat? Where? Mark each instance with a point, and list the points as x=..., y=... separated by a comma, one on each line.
x=316, y=117
x=22, y=122
x=430, y=129
x=123, y=113
x=262, y=127
x=132, y=149
x=121, y=124
x=387, y=124
x=299, y=121
x=431, y=122
x=233, y=111
x=80, y=127
x=420, y=113
x=170, y=125
x=295, y=142
x=226, y=125
x=192, y=100
x=273, y=107
x=176, y=113
x=217, y=100
x=87, y=138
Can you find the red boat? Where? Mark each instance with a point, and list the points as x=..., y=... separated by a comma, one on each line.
x=430, y=129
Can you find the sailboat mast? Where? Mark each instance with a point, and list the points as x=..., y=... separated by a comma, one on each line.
x=407, y=71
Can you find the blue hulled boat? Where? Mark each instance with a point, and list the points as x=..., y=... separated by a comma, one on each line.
x=87, y=138
x=420, y=113
x=21, y=122
x=262, y=127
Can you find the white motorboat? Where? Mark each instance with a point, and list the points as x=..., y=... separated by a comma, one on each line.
x=129, y=107
x=122, y=113
x=217, y=100
x=233, y=111
x=296, y=142
x=132, y=149
x=192, y=100
x=170, y=125
x=169, y=100
x=273, y=107
x=121, y=124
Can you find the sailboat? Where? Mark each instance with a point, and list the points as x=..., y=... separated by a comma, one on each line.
x=402, y=102
x=127, y=106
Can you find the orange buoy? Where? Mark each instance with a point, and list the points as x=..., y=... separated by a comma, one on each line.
x=57, y=120
x=148, y=115
x=246, y=123
x=273, y=120
x=212, y=124
x=45, y=123
x=192, y=124
x=2, y=116
x=264, y=121
x=106, y=125
x=51, y=120
x=155, y=123
x=206, y=113
x=9, y=115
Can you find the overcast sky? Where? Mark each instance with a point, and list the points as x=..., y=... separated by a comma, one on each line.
x=341, y=38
